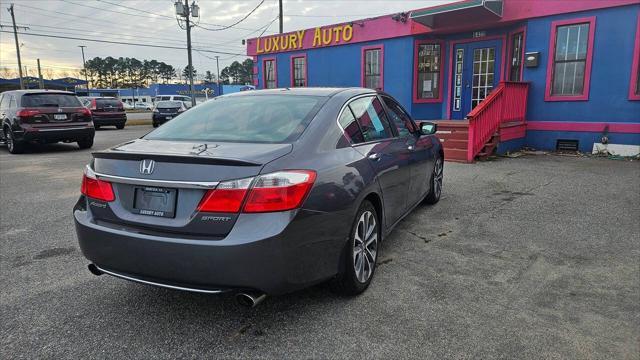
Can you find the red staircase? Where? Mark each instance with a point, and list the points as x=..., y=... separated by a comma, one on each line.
x=501, y=116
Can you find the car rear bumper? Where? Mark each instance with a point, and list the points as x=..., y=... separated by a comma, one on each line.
x=273, y=252
x=53, y=134
x=159, y=119
x=109, y=120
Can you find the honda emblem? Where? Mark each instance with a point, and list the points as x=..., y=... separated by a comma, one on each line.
x=147, y=166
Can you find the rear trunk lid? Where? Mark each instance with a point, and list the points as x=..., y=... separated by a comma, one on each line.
x=174, y=176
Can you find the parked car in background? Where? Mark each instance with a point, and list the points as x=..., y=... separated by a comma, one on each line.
x=185, y=99
x=259, y=192
x=142, y=106
x=167, y=110
x=106, y=111
x=44, y=116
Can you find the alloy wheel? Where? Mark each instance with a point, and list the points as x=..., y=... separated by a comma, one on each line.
x=9, y=139
x=365, y=247
x=437, y=178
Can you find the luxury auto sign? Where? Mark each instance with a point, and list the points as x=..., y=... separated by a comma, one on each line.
x=296, y=40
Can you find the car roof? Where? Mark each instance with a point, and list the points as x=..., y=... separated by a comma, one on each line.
x=39, y=91
x=308, y=91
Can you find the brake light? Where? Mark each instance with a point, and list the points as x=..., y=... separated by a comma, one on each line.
x=120, y=105
x=227, y=197
x=279, y=191
x=93, y=106
x=96, y=188
x=25, y=113
x=84, y=111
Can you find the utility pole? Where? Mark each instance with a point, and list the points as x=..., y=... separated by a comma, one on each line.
x=40, y=75
x=84, y=66
x=280, y=17
x=183, y=10
x=15, y=35
x=218, y=75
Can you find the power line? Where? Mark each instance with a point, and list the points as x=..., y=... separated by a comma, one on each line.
x=109, y=10
x=121, y=42
x=237, y=22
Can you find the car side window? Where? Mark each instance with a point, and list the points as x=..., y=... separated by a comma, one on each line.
x=4, y=102
x=370, y=115
x=350, y=126
x=399, y=117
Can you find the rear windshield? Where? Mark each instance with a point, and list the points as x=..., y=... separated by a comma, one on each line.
x=49, y=100
x=108, y=102
x=256, y=119
x=169, y=104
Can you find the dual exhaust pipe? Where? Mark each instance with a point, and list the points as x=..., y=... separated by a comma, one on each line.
x=249, y=299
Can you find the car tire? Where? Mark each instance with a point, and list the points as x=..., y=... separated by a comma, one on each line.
x=120, y=127
x=86, y=143
x=14, y=147
x=436, y=182
x=361, y=253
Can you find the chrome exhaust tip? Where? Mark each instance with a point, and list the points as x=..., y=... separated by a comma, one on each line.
x=94, y=270
x=250, y=299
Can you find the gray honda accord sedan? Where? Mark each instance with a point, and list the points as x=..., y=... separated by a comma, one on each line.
x=260, y=192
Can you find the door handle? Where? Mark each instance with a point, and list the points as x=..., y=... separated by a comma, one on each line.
x=375, y=156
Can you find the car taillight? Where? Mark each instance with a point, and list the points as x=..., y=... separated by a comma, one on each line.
x=93, y=106
x=279, y=191
x=96, y=189
x=84, y=111
x=227, y=197
x=25, y=113
x=120, y=106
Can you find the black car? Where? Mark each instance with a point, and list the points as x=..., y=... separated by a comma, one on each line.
x=167, y=110
x=44, y=116
x=259, y=192
x=106, y=111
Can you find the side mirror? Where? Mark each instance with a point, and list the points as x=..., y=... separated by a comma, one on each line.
x=427, y=128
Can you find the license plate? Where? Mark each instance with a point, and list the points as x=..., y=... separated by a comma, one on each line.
x=155, y=201
x=59, y=116
x=169, y=117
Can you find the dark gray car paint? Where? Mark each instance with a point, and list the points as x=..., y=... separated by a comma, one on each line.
x=270, y=252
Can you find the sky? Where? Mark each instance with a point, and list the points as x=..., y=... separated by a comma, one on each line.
x=153, y=22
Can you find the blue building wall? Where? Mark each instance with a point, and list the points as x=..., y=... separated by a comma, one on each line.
x=608, y=101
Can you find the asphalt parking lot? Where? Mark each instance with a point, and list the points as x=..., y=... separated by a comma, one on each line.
x=527, y=258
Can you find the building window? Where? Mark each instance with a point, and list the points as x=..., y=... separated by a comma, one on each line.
x=570, y=60
x=269, y=73
x=373, y=65
x=298, y=71
x=427, y=72
x=634, y=86
x=517, y=44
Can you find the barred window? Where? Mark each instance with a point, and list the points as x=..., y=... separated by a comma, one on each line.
x=429, y=71
x=570, y=58
x=270, y=74
x=373, y=69
x=299, y=72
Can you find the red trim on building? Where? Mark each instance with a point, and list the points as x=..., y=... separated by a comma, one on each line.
x=264, y=73
x=452, y=45
x=362, y=60
x=416, y=44
x=306, y=67
x=634, y=94
x=613, y=127
x=523, y=30
x=587, y=67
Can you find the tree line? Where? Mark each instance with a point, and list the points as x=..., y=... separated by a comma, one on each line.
x=131, y=72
